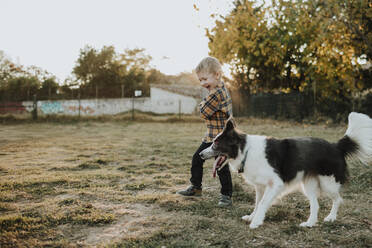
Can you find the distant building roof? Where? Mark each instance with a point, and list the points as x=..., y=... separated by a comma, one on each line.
x=186, y=90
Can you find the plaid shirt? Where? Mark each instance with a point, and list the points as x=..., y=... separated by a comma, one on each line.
x=215, y=109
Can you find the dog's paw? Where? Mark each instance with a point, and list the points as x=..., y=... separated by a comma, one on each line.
x=307, y=224
x=254, y=225
x=330, y=218
x=248, y=218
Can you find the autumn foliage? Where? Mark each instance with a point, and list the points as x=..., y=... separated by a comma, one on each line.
x=317, y=47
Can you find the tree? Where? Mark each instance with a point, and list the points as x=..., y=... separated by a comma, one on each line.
x=17, y=83
x=4, y=68
x=8, y=69
x=294, y=46
x=154, y=76
x=21, y=88
x=356, y=16
x=49, y=88
x=106, y=72
x=94, y=69
x=134, y=64
x=135, y=59
x=349, y=23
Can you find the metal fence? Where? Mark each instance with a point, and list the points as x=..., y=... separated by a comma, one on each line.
x=297, y=106
x=294, y=106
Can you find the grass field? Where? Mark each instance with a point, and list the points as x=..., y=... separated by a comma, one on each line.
x=113, y=184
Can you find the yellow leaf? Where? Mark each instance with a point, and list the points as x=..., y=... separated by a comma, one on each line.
x=195, y=7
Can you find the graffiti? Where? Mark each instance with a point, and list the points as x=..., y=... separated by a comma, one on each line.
x=29, y=106
x=86, y=110
x=160, y=102
x=51, y=107
x=12, y=107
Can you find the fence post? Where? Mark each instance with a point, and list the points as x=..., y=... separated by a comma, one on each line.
x=281, y=114
x=79, y=102
x=133, y=108
x=314, y=88
x=179, y=109
x=34, y=111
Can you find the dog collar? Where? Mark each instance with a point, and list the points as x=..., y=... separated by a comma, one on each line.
x=242, y=164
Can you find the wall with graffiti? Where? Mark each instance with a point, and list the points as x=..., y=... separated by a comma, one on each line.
x=160, y=102
x=16, y=107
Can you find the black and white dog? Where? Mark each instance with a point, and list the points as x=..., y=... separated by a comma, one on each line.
x=274, y=166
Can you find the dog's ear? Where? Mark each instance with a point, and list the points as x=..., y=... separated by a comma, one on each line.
x=230, y=124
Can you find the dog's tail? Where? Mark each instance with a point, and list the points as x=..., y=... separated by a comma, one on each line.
x=357, y=141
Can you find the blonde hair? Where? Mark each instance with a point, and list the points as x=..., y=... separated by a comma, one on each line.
x=209, y=65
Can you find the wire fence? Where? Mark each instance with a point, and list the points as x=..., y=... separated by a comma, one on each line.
x=295, y=106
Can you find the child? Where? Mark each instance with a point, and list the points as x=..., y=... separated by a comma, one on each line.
x=215, y=109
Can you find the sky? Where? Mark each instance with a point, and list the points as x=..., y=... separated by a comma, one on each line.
x=50, y=33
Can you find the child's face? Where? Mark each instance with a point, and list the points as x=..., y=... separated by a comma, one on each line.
x=208, y=80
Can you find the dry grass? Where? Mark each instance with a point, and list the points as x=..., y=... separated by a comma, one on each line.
x=113, y=184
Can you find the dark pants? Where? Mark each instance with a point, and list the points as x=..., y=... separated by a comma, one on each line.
x=197, y=172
